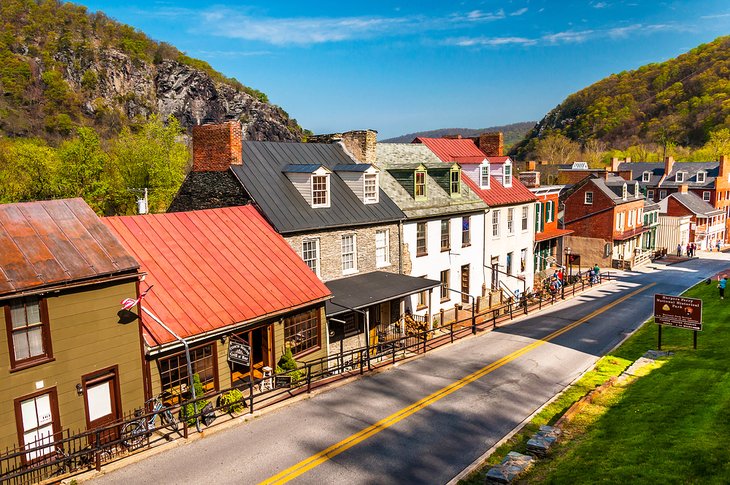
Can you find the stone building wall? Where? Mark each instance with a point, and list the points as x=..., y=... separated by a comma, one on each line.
x=330, y=249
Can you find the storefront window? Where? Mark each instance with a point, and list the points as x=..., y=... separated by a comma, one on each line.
x=174, y=372
x=302, y=331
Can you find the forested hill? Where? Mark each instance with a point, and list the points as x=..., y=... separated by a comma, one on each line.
x=62, y=67
x=512, y=133
x=677, y=102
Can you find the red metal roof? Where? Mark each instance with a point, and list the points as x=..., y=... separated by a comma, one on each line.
x=54, y=242
x=461, y=150
x=552, y=233
x=497, y=194
x=497, y=159
x=214, y=268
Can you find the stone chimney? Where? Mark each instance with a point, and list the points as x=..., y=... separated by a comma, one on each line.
x=724, y=169
x=492, y=144
x=530, y=179
x=668, y=164
x=360, y=143
x=683, y=188
x=531, y=165
x=217, y=146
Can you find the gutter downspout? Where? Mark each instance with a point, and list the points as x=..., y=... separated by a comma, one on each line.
x=400, y=246
x=187, y=359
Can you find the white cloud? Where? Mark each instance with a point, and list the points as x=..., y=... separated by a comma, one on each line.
x=567, y=37
x=490, y=41
x=715, y=16
x=600, y=5
x=519, y=12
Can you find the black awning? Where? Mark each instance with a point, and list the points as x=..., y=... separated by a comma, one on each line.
x=368, y=289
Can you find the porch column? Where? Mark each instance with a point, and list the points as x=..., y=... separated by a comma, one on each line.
x=429, y=312
x=401, y=320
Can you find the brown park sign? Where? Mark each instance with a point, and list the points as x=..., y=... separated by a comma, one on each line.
x=678, y=311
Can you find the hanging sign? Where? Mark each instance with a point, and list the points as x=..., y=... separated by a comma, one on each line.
x=239, y=352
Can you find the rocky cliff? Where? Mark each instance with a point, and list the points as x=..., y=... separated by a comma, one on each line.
x=61, y=67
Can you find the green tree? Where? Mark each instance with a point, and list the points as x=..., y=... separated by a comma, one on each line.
x=85, y=171
x=152, y=157
x=718, y=144
x=28, y=171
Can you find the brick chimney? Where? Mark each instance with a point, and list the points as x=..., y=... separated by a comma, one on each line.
x=668, y=164
x=683, y=189
x=614, y=164
x=361, y=144
x=531, y=165
x=627, y=160
x=217, y=146
x=492, y=144
x=724, y=169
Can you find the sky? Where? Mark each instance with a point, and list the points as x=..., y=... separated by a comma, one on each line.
x=402, y=67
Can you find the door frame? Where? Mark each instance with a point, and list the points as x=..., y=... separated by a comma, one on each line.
x=465, y=298
x=56, y=418
x=89, y=378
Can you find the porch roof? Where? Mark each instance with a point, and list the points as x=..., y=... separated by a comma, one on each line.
x=552, y=233
x=357, y=292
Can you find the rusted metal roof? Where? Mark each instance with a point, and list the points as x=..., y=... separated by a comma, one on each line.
x=551, y=233
x=56, y=242
x=214, y=268
x=497, y=194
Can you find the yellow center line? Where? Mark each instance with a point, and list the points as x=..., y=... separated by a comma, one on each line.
x=352, y=440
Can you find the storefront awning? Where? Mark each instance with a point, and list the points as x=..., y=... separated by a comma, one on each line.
x=368, y=289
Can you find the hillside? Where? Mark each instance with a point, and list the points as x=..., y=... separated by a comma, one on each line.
x=512, y=133
x=62, y=67
x=677, y=102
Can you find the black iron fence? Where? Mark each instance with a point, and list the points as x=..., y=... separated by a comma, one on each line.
x=61, y=455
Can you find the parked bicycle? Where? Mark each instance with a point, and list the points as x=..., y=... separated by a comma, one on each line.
x=135, y=432
x=70, y=462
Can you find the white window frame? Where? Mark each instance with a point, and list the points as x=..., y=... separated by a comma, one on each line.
x=679, y=177
x=645, y=176
x=326, y=190
x=706, y=195
x=382, y=248
x=620, y=221
x=525, y=218
x=507, y=174
x=624, y=192
x=352, y=253
x=549, y=211
x=662, y=194
x=316, y=259
x=484, y=180
x=510, y=221
x=588, y=198
x=375, y=196
x=637, y=192
x=701, y=176
x=495, y=223
x=650, y=194
x=632, y=215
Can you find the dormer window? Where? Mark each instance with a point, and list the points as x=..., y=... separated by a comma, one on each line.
x=370, y=188
x=507, y=178
x=624, y=192
x=420, y=185
x=701, y=176
x=484, y=176
x=679, y=177
x=637, y=193
x=455, y=182
x=321, y=190
x=645, y=176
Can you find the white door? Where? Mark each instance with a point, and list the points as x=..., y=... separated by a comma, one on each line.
x=37, y=421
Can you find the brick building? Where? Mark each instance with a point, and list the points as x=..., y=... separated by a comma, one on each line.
x=710, y=181
x=606, y=215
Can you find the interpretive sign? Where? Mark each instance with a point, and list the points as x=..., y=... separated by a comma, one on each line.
x=239, y=352
x=574, y=259
x=282, y=382
x=678, y=311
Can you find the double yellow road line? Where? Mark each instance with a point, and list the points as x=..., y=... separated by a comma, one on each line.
x=385, y=423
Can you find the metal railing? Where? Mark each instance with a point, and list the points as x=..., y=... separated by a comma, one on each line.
x=68, y=453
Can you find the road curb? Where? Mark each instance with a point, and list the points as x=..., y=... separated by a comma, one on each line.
x=477, y=464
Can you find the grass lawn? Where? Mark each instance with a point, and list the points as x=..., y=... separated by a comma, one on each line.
x=669, y=426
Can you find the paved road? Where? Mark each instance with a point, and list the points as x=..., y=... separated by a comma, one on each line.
x=434, y=441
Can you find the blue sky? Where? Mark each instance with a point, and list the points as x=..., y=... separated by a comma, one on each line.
x=411, y=66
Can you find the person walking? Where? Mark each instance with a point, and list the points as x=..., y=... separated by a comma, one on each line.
x=689, y=250
x=721, y=285
x=679, y=249
x=596, y=273
x=718, y=245
x=693, y=248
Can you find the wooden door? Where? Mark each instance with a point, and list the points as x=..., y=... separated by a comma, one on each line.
x=465, y=283
x=101, y=395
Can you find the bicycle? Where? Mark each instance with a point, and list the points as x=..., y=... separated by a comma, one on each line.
x=67, y=463
x=135, y=432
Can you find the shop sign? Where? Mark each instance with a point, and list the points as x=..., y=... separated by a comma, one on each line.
x=239, y=352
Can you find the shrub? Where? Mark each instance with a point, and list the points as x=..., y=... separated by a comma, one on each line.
x=288, y=366
x=231, y=401
x=188, y=409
